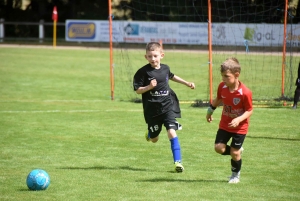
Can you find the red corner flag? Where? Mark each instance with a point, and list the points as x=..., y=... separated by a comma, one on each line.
x=54, y=14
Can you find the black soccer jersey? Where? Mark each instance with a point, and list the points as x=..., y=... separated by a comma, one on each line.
x=158, y=100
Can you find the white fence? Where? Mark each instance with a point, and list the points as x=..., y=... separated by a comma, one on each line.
x=40, y=27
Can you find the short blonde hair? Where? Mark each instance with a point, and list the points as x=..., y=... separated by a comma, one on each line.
x=153, y=46
x=231, y=64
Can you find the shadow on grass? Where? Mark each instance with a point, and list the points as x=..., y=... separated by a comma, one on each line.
x=273, y=138
x=24, y=189
x=180, y=180
x=103, y=168
x=27, y=189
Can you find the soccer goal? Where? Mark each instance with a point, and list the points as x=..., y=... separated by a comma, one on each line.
x=198, y=36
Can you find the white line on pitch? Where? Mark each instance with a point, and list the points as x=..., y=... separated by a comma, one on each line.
x=11, y=101
x=67, y=111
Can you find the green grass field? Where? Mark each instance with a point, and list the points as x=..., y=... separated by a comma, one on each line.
x=56, y=114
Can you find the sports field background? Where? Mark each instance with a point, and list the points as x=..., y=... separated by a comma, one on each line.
x=56, y=114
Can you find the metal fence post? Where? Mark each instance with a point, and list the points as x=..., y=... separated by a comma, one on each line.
x=1, y=30
x=41, y=31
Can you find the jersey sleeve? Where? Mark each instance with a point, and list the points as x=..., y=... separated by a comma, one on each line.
x=138, y=79
x=170, y=74
x=220, y=90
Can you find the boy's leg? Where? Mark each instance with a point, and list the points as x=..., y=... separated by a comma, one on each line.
x=154, y=129
x=296, y=97
x=221, y=141
x=236, y=159
x=175, y=147
x=176, y=151
x=170, y=124
x=147, y=136
x=235, y=152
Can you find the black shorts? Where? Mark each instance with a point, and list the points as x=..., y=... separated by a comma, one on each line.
x=155, y=124
x=224, y=136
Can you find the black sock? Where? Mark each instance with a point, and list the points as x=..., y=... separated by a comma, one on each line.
x=296, y=96
x=227, y=150
x=236, y=165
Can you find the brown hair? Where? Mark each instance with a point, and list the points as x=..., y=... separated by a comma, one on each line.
x=153, y=46
x=231, y=64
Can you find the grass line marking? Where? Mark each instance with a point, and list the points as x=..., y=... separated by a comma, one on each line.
x=66, y=111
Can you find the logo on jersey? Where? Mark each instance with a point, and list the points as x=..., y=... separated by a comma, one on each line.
x=159, y=93
x=236, y=101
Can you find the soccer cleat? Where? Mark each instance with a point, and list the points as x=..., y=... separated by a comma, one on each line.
x=179, y=126
x=235, y=178
x=294, y=106
x=147, y=136
x=178, y=167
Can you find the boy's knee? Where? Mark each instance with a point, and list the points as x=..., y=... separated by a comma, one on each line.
x=154, y=140
x=219, y=148
x=235, y=154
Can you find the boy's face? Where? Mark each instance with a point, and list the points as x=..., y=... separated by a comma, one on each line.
x=154, y=57
x=229, y=78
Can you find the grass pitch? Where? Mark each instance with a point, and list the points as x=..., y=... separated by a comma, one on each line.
x=56, y=114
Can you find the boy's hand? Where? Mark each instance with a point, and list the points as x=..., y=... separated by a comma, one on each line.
x=209, y=118
x=191, y=85
x=234, y=123
x=153, y=83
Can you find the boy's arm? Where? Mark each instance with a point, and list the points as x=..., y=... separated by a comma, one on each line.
x=144, y=89
x=175, y=78
x=247, y=103
x=236, y=121
x=211, y=109
x=216, y=102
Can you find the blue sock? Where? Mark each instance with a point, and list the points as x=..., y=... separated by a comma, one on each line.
x=175, y=147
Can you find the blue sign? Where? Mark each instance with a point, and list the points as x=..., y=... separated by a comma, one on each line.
x=131, y=29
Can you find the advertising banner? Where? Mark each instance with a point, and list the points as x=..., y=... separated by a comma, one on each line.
x=185, y=33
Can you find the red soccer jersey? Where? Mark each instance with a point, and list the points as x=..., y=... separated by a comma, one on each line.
x=234, y=105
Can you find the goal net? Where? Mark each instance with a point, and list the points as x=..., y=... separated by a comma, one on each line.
x=250, y=30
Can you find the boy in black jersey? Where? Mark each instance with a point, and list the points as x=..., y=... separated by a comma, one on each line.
x=152, y=81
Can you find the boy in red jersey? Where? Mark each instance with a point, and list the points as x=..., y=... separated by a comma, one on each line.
x=237, y=109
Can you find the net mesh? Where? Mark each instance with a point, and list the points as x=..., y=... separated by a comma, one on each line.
x=260, y=23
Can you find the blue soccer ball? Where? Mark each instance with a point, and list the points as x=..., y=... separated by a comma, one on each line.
x=38, y=180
